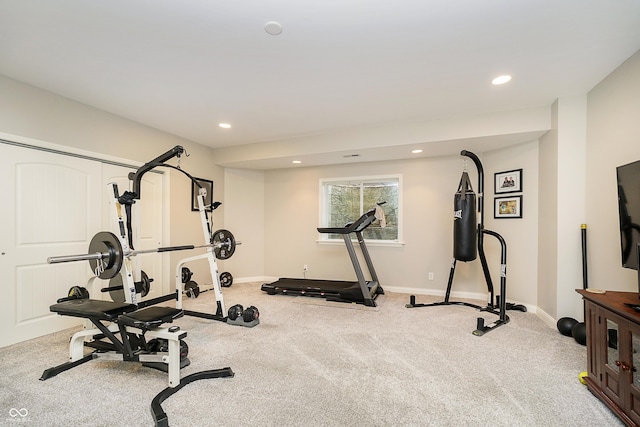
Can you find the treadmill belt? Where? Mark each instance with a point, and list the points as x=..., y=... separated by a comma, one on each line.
x=330, y=289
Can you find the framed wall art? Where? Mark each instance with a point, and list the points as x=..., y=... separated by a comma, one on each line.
x=508, y=181
x=508, y=207
x=208, y=198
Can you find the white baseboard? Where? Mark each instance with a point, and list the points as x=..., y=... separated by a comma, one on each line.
x=479, y=296
x=262, y=279
x=548, y=320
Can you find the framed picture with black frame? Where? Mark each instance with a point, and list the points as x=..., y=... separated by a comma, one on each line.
x=508, y=182
x=195, y=190
x=508, y=207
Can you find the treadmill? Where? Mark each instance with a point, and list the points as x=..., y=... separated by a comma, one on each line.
x=360, y=292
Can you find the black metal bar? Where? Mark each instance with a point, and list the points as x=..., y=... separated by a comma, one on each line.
x=136, y=176
x=503, y=273
x=583, y=229
x=478, y=164
x=159, y=416
x=202, y=315
x=52, y=372
x=158, y=300
x=585, y=284
x=450, y=281
x=175, y=248
x=485, y=265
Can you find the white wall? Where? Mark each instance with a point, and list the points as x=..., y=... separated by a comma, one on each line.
x=244, y=217
x=613, y=139
x=562, y=210
x=572, y=120
x=547, y=238
x=521, y=235
x=578, y=158
x=292, y=215
x=33, y=113
x=544, y=257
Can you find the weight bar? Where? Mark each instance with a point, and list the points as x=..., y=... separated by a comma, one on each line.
x=116, y=289
x=106, y=254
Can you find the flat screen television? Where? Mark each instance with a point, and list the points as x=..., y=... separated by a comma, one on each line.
x=629, y=214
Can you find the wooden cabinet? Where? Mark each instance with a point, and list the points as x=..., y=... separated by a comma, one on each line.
x=613, y=352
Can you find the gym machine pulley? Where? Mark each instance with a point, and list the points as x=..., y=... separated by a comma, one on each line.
x=106, y=255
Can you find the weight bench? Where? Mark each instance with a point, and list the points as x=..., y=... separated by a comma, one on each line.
x=134, y=327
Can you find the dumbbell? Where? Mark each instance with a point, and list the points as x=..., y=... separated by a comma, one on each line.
x=249, y=314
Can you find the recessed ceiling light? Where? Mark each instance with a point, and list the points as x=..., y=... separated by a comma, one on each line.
x=272, y=27
x=500, y=80
x=418, y=151
x=224, y=125
x=296, y=162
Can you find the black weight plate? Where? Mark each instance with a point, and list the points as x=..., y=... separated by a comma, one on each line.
x=192, y=289
x=235, y=311
x=226, y=279
x=224, y=244
x=145, y=284
x=250, y=314
x=184, y=350
x=78, y=292
x=117, y=295
x=186, y=274
x=152, y=345
x=107, y=243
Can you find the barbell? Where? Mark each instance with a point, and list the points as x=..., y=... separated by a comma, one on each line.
x=106, y=255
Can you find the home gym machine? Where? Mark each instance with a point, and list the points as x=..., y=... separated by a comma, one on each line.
x=130, y=330
x=109, y=255
x=361, y=292
x=468, y=238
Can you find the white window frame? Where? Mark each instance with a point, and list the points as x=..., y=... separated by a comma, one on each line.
x=324, y=212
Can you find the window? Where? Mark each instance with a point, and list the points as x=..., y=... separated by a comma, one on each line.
x=344, y=200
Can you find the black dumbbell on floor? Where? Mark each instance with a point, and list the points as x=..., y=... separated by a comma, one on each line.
x=238, y=315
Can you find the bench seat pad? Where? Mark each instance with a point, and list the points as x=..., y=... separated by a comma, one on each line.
x=92, y=308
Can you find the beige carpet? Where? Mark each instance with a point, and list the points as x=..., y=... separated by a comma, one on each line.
x=316, y=363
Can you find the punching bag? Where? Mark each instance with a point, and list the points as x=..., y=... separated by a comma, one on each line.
x=464, y=221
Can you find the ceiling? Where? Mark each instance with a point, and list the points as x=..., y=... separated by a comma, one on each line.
x=337, y=66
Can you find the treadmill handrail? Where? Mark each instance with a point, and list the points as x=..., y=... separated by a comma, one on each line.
x=358, y=225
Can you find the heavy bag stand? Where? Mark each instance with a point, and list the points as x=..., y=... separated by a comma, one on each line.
x=496, y=305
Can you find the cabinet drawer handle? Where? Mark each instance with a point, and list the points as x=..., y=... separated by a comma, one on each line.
x=622, y=365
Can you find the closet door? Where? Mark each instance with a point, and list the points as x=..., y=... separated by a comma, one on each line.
x=51, y=205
